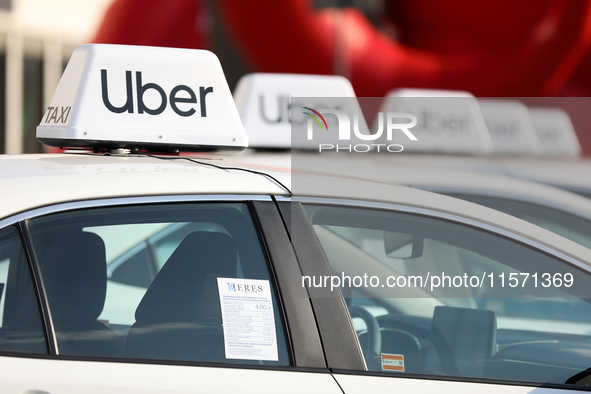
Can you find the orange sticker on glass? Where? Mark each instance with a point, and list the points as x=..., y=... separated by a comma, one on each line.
x=392, y=362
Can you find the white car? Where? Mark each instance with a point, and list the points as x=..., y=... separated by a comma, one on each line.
x=568, y=174
x=135, y=273
x=557, y=210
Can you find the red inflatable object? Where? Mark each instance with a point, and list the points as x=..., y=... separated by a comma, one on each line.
x=171, y=23
x=500, y=48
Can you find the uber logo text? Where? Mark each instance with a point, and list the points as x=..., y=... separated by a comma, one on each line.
x=283, y=110
x=344, y=132
x=141, y=88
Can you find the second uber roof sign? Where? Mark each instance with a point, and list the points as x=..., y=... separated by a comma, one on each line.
x=152, y=98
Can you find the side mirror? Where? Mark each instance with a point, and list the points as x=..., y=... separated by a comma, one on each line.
x=402, y=245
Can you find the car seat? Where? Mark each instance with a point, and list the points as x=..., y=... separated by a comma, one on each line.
x=179, y=317
x=74, y=272
x=461, y=341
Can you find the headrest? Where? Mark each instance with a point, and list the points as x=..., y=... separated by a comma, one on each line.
x=463, y=338
x=178, y=290
x=74, y=270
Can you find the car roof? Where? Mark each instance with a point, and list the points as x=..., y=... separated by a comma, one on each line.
x=42, y=179
x=446, y=180
x=371, y=178
x=428, y=176
x=567, y=173
x=308, y=184
x=45, y=179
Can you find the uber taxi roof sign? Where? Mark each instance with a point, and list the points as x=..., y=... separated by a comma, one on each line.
x=264, y=101
x=510, y=127
x=447, y=121
x=139, y=97
x=555, y=132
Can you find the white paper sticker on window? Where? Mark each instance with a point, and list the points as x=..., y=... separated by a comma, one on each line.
x=248, y=319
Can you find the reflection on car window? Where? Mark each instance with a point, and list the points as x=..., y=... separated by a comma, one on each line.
x=433, y=297
x=21, y=326
x=583, y=192
x=152, y=282
x=568, y=225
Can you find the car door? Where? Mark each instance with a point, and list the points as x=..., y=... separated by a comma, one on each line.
x=95, y=304
x=439, y=302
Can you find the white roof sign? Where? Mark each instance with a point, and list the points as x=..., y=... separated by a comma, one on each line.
x=510, y=127
x=265, y=104
x=555, y=132
x=447, y=121
x=158, y=99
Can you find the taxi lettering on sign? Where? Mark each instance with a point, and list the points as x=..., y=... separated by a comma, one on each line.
x=51, y=115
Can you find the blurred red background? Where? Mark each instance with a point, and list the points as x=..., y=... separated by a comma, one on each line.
x=506, y=48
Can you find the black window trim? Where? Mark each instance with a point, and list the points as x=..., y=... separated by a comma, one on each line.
x=40, y=291
x=299, y=317
x=339, y=340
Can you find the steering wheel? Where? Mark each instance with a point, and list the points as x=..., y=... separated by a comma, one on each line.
x=372, y=352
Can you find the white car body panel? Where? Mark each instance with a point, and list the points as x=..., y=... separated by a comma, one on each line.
x=40, y=180
x=364, y=384
x=569, y=174
x=452, y=180
x=71, y=377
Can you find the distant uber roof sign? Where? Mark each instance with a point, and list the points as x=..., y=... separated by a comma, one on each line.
x=448, y=121
x=265, y=101
x=157, y=99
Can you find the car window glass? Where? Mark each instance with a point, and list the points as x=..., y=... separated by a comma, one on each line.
x=583, y=192
x=434, y=297
x=563, y=223
x=152, y=282
x=21, y=325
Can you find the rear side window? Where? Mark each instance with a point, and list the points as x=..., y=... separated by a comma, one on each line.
x=186, y=282
x=20, y=319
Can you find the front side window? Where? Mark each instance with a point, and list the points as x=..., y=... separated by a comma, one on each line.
x=186, y=282
x=433, y=297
